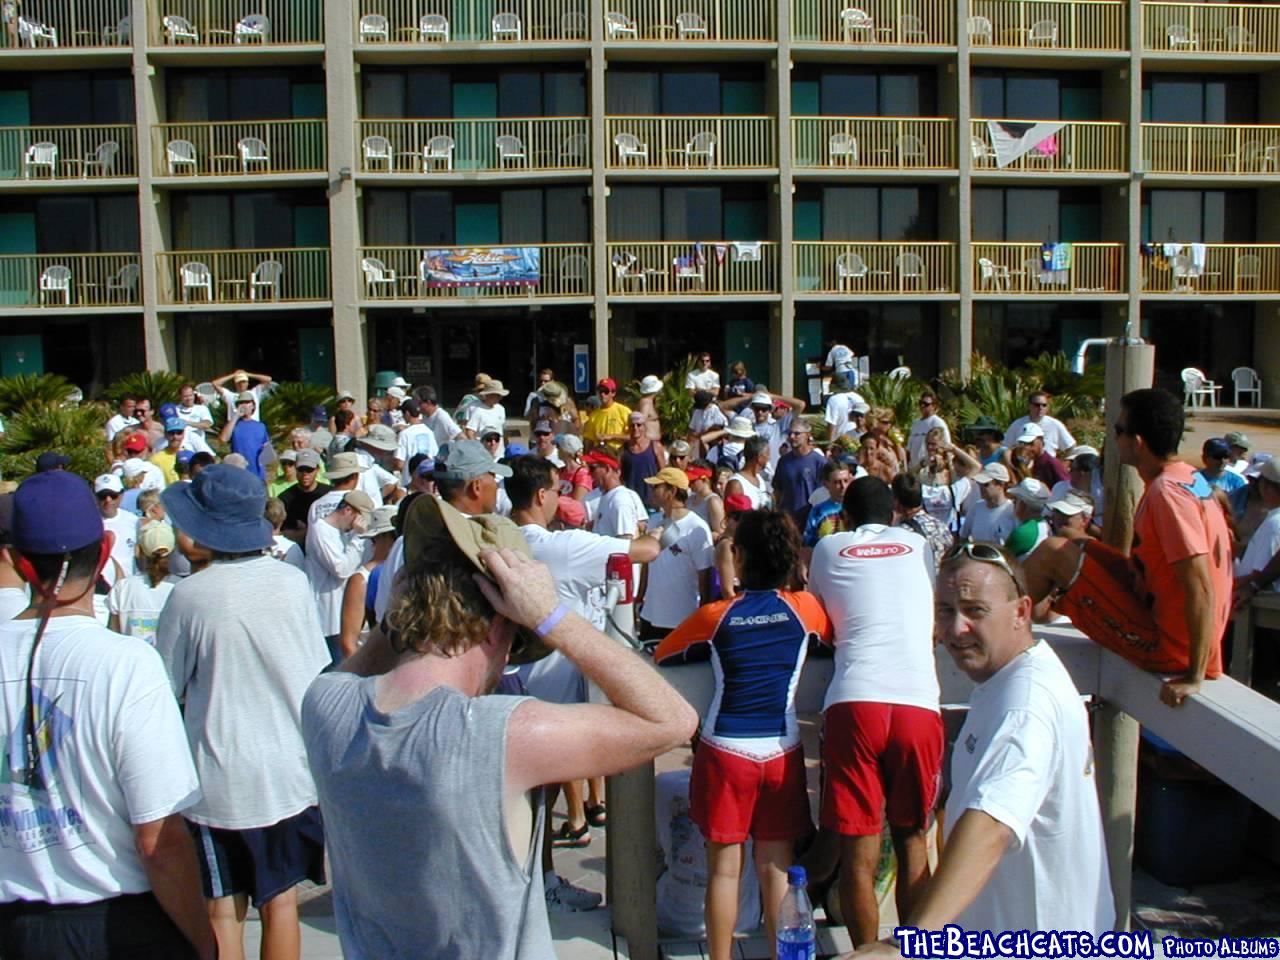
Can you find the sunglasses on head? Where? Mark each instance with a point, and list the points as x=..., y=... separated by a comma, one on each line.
x=984, y=553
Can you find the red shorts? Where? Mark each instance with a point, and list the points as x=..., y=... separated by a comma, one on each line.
x=1102, y=605
x=879, y=760
x=732, y=797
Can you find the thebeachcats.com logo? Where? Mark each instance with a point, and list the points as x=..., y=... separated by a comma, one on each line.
x=953, y=942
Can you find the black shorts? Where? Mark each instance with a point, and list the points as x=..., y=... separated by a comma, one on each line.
x=128, y=927
x=262, y=862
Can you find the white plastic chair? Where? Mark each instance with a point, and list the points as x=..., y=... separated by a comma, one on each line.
x=980, y=30
x=1239, y=38
x=574, y=150
x=630, y=148
x=910, y=266
x=123, y=284
x=843, y=147
x=376, y=276
x=850, y=267
x=1254, y=157
x=1181, y=272
x=1247, y=381
x=376, y=149
x=507, y=26
x=900, y=373
x=438, y=148
x=1033, y=273
x=1182, y=37
x=1043, y=32
x=991, y=275
x=40, y=155
x=690, y=269
x=103, y=160
x=701, y=147
x=180, y=153
x=266, y=278
x=575, y=271
x=253, y=150
x=911, y=29
x=33, y=33
x=177, y=29
x=1196, y=387
x=433, y=26
x=981, y=151
x=619, y=25
x=255, y=26
x=856, y=24
x=120, y=34
x=1248, y=271
x=911, y=147
x=510, y=149
x=195, y=275
x=627, y=268
x=373, y=26
x=56, y=280
x=690, y=25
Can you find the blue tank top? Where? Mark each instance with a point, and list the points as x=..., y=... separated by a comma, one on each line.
x=637, y=466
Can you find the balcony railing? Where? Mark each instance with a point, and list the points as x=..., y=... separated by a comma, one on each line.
x=223, y=23
x=1211, y=268
x=707, y=268
x=476, y=273
x=469, y=21
x=692, y=143
x=874, y=143
x=67, y=153
x=1212, y=28
x=1080, y=146
x=67, y=25
x=840, y=266
x=243, y=276
x=513, y=144
x=1070, y=268
x=1210, y=148
x=242, y=147
x=701, y=21
x=908, y=22
x=1048, y=24
x=69, y=280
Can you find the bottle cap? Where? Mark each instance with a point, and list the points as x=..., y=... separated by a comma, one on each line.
x=797, y=877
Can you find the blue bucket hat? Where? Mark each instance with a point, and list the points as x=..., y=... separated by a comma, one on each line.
x=55, y=513
x=222, y=509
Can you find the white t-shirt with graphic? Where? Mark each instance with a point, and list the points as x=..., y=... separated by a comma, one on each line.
x=125, y=527
x=138, y=604
x=672, y=591
x=840, y=359
x=414, y=439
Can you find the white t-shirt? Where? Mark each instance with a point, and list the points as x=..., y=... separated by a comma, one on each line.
x=775, y=431
x=707, y=380
x=229, y=400
x=838, y=407
x=1056, y=436
x=125, y=527
x=374, y=479
x=118, y=423
x=442, y=426
x=414, y=439
x=946, y=502
x=138, y=604
x=115, y=757
x=876, y=584
x=919, y=430
x=840, y=359
x=386, y=579
x=709, y=417
x=13, y=600
x=332, y=558
x=242, y=641
x=196, y=413
x=482, y=419
x=1024, y=758
x=758, y=494
x=282, y=548
x=727, y=449
x=672, y=592
x=620, y=513
x=987, y=524
x=1263, y=545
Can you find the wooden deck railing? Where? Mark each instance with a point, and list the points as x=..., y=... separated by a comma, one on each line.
x=469, y=21
x=243, y=276
x=1222, y=268
x=906, y=22
x=291, y=146
x=403, y=273
x=79, y=152
x=69, y=280
x=67, y=25
x=700, y=21
x=874, y=143
x=1211, y=28
x=854, y=266
x=1082, y=146
x=541, y=143
x=1210, y=148
x=1048, y=24
x=1019, y=268
x=692, y=143
x=234, y=23
x=706, y=268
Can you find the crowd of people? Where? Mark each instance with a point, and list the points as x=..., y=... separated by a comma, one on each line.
x=314, y=633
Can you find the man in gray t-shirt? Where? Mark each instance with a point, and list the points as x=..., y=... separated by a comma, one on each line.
x=430, y=790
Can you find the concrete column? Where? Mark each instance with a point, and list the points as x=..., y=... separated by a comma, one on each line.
x=1266, y=350
x=1130, y=366
x=782, y=325
x=157, y=330
x=1133, y=236
x=955, y=347
x=600, y=148
x=351, y=366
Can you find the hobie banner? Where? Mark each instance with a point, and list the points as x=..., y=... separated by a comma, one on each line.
x=482, y=267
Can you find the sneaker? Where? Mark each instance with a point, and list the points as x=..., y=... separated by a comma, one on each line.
x=564, y=897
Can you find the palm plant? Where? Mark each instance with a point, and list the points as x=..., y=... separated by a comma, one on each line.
x=673, y=402
x=75, y=432
x=291, y=404
x=900, y=395
x=33, y=390
x=159, y=386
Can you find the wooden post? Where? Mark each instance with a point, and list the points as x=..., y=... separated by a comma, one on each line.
x=1130, y=366
x=631, y=872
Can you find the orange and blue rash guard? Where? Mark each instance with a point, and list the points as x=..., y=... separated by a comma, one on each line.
x=756, y=643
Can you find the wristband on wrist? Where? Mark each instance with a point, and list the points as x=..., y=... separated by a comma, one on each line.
x=554, y=617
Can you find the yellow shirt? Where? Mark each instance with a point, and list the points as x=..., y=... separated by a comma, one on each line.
x=166, y=461
x=607, y=421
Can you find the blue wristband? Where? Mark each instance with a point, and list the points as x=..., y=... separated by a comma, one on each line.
x=554, y=617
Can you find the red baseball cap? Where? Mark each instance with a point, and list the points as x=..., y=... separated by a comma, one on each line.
x=601, y=458
x=609, y=384
x=135, y=443
x=738, y=503
x=698, y=473
x=571, y=513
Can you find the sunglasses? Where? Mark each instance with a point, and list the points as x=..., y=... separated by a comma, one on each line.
x=108, y=495
x=1119, y=430
x=984, y=553
x=1038, y=403
x=491, y=440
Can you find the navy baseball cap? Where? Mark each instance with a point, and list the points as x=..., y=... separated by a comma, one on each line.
x=51, y=460
x=1216, y=447
x=167, y=410
x=53, y=513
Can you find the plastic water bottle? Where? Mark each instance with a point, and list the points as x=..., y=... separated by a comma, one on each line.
x=797, y=936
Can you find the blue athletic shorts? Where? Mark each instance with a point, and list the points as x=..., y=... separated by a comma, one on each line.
x=262, y=862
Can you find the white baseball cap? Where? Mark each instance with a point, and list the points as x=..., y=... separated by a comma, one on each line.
x=1030, y=491
x=1030, y=431
x=1080, y=450
x=992, y=471
x=108, y=483
x=1069, y=504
